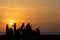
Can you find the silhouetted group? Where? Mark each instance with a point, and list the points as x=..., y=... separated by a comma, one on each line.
x=22, y=33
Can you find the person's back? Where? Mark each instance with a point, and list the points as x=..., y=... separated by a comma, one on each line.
x=11, y=32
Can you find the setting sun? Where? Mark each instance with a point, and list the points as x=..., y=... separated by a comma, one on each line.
x=11, y=23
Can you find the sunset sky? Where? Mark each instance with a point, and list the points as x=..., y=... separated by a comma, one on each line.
x=40, y=13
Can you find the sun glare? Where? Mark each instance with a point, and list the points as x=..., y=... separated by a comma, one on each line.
x=11, y=22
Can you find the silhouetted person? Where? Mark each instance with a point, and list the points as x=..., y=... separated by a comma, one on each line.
x=38, y=31
x=26, y=33
x=28, y=27
x=7, y=30
x=22, y=26
x=11, y=32
x=14, y=28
